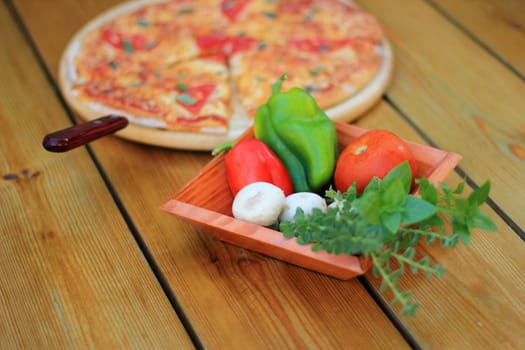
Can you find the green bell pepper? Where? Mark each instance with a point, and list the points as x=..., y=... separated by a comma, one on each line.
x=301, y=134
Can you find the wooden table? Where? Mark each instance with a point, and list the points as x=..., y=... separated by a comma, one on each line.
x=87, y=259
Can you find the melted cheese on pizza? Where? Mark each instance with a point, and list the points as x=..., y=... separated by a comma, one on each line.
x=177, y=62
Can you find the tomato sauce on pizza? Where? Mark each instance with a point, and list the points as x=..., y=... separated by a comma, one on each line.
x=178, y=64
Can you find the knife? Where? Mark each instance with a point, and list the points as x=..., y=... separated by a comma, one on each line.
x=80, y=134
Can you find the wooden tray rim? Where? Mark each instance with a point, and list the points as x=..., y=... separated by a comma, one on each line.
x=273, y=243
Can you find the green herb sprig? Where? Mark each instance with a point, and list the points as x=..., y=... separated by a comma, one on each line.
x=386, y=222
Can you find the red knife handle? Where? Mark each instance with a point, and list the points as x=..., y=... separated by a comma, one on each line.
x=80, y=134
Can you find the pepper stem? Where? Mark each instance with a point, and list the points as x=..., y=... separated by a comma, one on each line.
x=276, y=87
x=223, y=148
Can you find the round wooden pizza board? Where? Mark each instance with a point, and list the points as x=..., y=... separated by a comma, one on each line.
x=346, y=111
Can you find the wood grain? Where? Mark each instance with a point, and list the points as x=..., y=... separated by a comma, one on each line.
x=461, y=96
x=480, y=301
x=499, y=25
x=233, y=298
x=72, y=274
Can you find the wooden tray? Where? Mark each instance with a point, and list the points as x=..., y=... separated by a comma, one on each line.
x=346, y=111
x=206, y=202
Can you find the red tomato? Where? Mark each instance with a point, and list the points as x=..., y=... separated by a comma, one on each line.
x=374, y=153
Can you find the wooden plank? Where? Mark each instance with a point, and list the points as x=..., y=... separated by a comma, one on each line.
x=232, y=297
x=460, y=95
x=500, y=25
x=480, y=302
x=72, y=274
x=70, y=14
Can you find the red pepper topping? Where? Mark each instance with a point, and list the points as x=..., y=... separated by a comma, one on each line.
x=232, y=8
x=293, y=6
x=112, y=37
x=130, y=44
x=239, y=43
x=213, y=44
x=193, y=98
x=218, y=57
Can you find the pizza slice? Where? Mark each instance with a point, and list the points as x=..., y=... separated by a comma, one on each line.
x=330, y=70
x=187, y=96
x=331, y=49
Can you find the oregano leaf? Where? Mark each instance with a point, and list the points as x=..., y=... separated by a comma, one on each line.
x=409, y=309
x=384, y=286
x=373, y=186
x=369, y=206
x=391, y=221
x=394, y=194
x=182, y=86
x=460, y=230
x=445, y=188
x=186, y=99
x=459, y=188
x=416, y=210
x=410, y=253
x=439, y=271
x=483, y=221
x=480, y=195
x=427, y=191
x=400, y=172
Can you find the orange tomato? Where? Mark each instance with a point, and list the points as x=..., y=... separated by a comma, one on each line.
x=374, y=153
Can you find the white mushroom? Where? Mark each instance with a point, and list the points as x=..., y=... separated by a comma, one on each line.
x=259, y=203
x=307, y=201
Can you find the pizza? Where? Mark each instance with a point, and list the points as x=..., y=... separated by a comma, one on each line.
x=204, y=66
